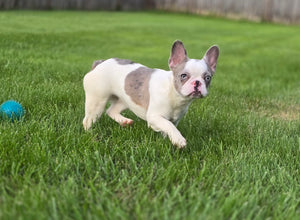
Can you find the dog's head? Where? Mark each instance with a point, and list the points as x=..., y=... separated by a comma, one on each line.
x=192, y=77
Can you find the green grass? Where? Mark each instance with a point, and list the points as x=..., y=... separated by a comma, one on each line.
x=243, y=155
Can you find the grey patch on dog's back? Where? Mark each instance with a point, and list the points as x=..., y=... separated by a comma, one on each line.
x=137, y=86
x=96, y=63
x=123, y=61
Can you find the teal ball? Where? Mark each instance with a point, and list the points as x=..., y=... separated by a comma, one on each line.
x=11, y=110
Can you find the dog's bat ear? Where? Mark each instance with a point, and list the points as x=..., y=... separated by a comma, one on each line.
x=211, y=57
x=178, y=54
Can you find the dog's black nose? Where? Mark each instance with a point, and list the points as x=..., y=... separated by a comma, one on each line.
x=196, y=85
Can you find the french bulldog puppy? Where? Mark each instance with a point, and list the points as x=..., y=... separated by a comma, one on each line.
x=160, y=97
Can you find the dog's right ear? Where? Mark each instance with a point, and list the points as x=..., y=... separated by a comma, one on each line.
x=178, y=54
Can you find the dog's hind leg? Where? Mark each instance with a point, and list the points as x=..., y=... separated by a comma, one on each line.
x=94, y=107
x=114, y=111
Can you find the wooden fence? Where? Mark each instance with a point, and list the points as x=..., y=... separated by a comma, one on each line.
x=75, y=4
x=286, y=11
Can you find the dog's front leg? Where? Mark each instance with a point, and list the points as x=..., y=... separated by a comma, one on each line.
x=159, y=123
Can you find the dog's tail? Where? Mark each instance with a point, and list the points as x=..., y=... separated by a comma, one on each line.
x=96, y=63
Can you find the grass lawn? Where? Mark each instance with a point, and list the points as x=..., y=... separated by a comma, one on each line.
x=242, y=160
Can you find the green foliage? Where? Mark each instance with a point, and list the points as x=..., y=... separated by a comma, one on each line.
x=242, y=158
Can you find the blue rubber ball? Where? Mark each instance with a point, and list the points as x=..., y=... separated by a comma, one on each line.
x=11, y=110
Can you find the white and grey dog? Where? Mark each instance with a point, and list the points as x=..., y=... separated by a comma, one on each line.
x=160, y=97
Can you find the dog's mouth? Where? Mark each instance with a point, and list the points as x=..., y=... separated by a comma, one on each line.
x=196, y=94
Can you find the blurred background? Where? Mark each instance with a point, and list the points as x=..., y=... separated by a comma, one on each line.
x=280, y=11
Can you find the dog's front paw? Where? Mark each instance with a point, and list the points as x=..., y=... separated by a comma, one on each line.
x=180, y=142
x=87, y=123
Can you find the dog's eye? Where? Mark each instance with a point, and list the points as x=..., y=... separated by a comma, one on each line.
x=183, y=76
x=207, y=78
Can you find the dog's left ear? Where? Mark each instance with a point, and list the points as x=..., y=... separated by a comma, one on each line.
x=178, y=54
x=211, y=57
